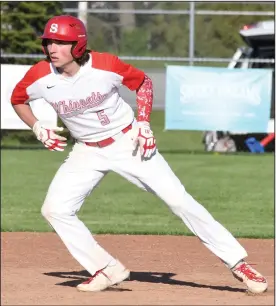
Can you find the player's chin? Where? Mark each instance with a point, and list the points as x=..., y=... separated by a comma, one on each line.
x=57, y=62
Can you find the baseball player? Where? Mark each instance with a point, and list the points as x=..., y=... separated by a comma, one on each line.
x=82, y=86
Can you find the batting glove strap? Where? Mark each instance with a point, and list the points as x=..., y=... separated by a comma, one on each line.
x=49, y=138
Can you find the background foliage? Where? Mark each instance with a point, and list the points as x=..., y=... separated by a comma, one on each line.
x=211, y=178
x=22, y=22
x=131, y=34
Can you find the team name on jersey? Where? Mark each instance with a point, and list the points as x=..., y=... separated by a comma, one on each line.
x=70, y=108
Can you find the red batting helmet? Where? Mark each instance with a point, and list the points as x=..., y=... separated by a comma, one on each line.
x=66, y=28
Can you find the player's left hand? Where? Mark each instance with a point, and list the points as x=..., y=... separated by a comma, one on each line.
x=143, y=137
x=49, y=138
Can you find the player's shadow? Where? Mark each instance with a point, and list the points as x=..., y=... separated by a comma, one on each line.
x=144, y=277
x=77, y=278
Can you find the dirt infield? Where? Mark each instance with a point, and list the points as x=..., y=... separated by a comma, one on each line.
x=165, y=270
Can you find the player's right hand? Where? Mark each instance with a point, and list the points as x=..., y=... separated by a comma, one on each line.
x=49, y=138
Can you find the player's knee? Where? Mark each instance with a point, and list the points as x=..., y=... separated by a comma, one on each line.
x=50, y=211
x=179, y=204
x=175, y=198
x=46, y=211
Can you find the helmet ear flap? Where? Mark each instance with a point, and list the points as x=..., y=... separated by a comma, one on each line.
x=78, y=49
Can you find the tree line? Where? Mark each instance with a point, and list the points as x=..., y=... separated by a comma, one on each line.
x=131, y=34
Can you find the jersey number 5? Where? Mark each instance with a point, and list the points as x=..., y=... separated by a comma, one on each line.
x=103, y=117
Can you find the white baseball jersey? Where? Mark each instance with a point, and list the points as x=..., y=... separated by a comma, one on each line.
x=88, y=103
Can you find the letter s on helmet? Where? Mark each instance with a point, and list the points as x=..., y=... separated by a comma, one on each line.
x=66, y=28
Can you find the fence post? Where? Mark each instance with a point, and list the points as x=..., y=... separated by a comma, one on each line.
x=192, y=33
x=82, y=11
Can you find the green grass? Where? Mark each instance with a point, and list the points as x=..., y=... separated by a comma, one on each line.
x=168, y=141
x=237, y=189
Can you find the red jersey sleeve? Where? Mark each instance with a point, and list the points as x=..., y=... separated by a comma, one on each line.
x=132, y=77
x=25, y=90
x=136, y=79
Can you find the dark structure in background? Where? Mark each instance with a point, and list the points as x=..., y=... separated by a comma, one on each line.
x=260, y=41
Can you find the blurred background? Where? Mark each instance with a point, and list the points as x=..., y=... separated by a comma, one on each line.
x=149, y=35
x=237, y=187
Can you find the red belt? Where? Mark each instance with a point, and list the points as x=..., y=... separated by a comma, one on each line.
x=108, y=141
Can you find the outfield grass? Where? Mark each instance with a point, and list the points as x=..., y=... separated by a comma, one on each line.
x=236, y=189
x=168, y=141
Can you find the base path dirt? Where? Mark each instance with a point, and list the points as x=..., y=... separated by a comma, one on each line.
x=165, y=270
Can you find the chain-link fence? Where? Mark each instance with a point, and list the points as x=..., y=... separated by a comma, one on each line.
x=152, y=35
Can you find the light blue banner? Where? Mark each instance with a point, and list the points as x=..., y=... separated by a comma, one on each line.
x=205, y=98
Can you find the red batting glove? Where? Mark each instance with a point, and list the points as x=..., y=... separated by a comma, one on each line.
x=49, y=138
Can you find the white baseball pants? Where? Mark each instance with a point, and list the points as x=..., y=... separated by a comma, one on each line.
x=84, y=169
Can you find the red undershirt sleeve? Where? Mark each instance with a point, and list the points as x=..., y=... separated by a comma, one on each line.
x=144, y=99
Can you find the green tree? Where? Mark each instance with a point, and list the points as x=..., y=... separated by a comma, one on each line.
x=103, y=29
x=22, y=22
x=157, y=35
x=218, y=36
x=168, y=35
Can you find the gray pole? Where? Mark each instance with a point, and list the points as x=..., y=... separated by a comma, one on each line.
x=82, y=12
x=192, y=33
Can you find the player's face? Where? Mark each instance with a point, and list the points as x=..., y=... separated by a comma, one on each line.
x=60, y=52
